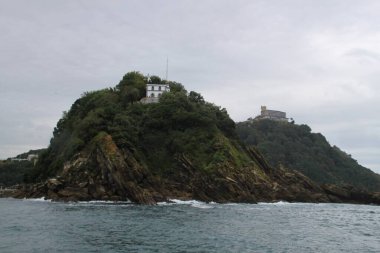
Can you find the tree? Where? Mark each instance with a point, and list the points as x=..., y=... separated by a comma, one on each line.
x=176, y=87
x=132, y=94
x=196, y=97
x=133, y=79
x=155, y=80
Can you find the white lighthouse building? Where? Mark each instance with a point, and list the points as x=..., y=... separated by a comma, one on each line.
x=154, y=92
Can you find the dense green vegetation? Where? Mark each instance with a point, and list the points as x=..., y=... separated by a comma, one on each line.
x=181, y=123
x=294, y=146
x=12, y=171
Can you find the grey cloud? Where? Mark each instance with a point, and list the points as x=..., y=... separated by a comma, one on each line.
x=314, y=60
x=364, y=55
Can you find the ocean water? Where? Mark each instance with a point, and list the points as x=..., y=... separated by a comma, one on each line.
x=190, y=226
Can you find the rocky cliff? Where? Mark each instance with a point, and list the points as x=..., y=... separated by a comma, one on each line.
x=110, y=173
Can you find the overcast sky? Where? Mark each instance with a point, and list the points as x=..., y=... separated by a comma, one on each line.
x=317, y=60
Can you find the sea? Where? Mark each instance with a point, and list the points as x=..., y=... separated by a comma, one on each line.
x=187, y=226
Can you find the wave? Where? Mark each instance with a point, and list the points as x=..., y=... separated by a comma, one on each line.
x=193, y=203
x=42, y=199
x=279, y=203
x=90, y=202
x=104, y=202
x=285, y=203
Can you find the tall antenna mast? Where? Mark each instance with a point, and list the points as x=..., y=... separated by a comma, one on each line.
x=167, y=68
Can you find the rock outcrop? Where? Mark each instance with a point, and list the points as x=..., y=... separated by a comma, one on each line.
x=109, y=173
x=350, y=194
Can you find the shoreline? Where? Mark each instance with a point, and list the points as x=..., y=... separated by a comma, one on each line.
x=7, y=192
x=13, y=194
x=189, y=202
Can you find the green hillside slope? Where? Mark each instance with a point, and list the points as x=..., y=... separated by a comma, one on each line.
x=12, y=171
x=295, y=146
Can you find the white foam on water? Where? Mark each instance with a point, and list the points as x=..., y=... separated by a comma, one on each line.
x=104, y=202
x=91, y=202
x=42, y=199
x=185, y=202
x=176, y=202
x=203, y=205
x=282, y=203
x=193, y=203
x=279, y=203
x=232, y=204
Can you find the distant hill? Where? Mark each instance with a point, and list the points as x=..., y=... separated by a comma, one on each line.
x=31, y=152
x=12, y=171
x=296, y=147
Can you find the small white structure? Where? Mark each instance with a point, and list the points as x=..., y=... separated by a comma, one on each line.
x=18, y=159
x=271, y=114
x=32, y=157
x=154, y=92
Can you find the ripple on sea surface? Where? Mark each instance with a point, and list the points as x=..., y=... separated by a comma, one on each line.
x=187, y=226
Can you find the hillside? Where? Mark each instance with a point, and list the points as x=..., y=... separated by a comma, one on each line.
x=295, y=146
x=109, y=146
x=12, y=171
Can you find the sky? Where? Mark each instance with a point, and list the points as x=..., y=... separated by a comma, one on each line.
x=318, y=61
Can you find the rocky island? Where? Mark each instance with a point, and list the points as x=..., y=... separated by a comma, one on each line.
x=117, y=144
